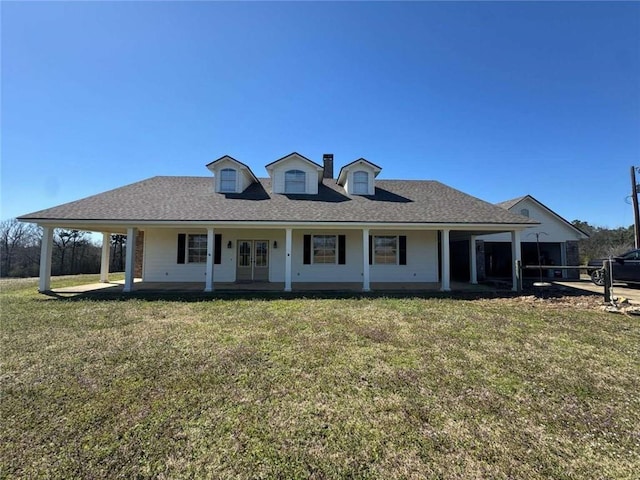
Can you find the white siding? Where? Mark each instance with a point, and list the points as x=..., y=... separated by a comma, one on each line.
x=277, y=175
x=422, y=259
x=244, y=181
x=161, y=252
x=243, y=178
x=556, y=230
x=160, y=257
x=348, y=185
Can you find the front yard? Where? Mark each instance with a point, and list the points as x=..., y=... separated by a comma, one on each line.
x=316, y=388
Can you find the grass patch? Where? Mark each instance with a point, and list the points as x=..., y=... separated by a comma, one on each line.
x=316, y=388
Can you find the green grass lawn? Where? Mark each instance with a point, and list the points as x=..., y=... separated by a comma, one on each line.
x=316, y=388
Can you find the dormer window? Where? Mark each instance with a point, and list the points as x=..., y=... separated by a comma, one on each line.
x=295, y=181
x=358, y=177
x=227, y=180
x=360, y=183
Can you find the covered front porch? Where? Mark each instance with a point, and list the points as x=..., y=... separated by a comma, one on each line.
x=140, y=286
x=354, y=258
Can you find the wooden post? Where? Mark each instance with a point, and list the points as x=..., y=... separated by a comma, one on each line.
x=606, y=266
x=636, y=214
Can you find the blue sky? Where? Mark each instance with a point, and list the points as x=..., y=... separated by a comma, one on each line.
x=495, y=99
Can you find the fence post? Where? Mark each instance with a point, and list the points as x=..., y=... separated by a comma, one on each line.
x=518, y=276
x=606, y=266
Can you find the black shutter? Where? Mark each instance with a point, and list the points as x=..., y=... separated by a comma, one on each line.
x=403, y=249
x=217, y=249
x=306, y=254
x=341, y=250
x=182, y=242
x=370, y=250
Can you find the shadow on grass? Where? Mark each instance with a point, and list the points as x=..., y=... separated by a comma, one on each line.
x=554, y=291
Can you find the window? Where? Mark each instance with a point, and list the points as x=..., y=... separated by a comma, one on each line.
x=227, y=180
x=361, y=183
x=324, y=249
x=197, y=248
x=385, y=250
x=295, y=181
x=524, y=212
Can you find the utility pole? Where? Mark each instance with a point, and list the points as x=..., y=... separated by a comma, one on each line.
x=636, y=214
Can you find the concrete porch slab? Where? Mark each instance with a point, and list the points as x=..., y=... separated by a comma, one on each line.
x=221, y=287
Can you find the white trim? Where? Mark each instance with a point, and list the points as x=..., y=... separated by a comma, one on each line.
x=373, y=254
x=300, y=177
x=235, y=180
x=473, y=261
x=287, y=260
x=366, y=285
x=446, y=266
x=186, y=248
x=120, y=226
x=104, y=258
x=335, y=253
x=582, y=235
x=213, y=166
x=210, y=258
x=129, y=264
x=45, y=259
x=516, y=256
x=364, y=184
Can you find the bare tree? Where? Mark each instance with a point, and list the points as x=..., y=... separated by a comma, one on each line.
x=71, y=249
x=17, y=242
x=117, y=259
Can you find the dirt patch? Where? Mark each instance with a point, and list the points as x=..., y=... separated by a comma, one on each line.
x=589, y=302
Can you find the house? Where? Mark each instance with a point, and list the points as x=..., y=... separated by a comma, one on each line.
x=300, y=225
x=556, y=238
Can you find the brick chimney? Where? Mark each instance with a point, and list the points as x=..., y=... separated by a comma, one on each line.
x=327, y=160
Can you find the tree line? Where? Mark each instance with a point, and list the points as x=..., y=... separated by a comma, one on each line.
x=604, y=242
x=73, y=251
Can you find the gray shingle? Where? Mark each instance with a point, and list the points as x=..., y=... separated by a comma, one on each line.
x=507, y=204
x=193, y=199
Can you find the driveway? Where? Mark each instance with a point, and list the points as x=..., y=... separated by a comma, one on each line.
x=619, y=289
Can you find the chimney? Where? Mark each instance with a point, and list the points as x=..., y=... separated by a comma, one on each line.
x=327, y=160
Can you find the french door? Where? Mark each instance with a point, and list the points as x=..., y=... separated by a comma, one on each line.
x=253, y=261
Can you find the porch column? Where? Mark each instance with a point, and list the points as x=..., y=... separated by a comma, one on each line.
x=208, y=287
x=516, y=256
x=473, y=260
x=287, y=261
x=445, y=285
x=129, y=262
x=104, y=259
x=45, y=259
x=366, y=286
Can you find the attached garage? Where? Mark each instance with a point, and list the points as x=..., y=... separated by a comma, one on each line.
x=558, y=241
x=498, y=261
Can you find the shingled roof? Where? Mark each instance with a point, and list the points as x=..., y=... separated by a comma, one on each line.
x=507, y=204
x=184, y=199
